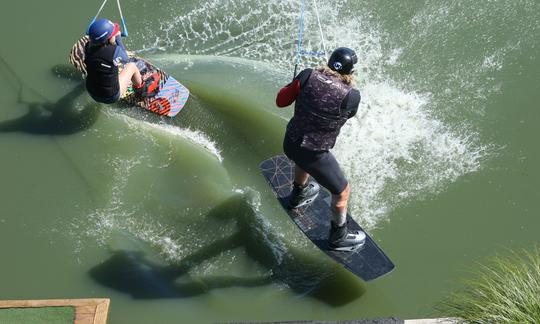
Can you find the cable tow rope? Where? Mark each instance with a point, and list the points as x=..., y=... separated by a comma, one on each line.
x=300, y=31
x=95, y=17
x=124, y=28
x=299, y=51
x=320, y=29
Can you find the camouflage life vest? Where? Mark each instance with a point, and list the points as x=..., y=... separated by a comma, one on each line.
x=317, y=116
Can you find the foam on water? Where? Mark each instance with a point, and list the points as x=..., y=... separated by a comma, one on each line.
x=394, y=150
x=117, y=216
x=196, y=137
x=114, y=215
x=236, y=28
x=118, y=213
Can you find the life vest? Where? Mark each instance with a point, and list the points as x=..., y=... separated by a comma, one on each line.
x=317, y=116
x=102, y=78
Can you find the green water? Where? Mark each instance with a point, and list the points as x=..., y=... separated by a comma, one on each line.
x=171, y=218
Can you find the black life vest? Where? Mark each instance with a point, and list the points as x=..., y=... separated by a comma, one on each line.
x=317, y=116
x=102, y=78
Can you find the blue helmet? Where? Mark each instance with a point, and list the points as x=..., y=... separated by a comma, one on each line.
x=102, y=30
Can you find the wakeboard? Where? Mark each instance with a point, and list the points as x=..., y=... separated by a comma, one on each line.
x=368, y=262
x=170, y=97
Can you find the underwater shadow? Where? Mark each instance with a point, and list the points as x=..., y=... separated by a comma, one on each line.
x=307, y=275
x=62, y=117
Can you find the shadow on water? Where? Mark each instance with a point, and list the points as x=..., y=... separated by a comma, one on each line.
x=58, y=118
x=306, y=274
x=49, y=118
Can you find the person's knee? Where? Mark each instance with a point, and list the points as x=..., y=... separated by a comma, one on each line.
x=130, y=69
x=130, y=66
x=132, y=73
x=340, y=200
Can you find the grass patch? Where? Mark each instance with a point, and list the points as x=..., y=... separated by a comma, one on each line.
x=37, y=315
x=504, y=290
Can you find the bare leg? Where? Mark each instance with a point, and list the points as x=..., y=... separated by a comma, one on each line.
x=341, y=238
x=130, y=73
x=300, y=176
x=339, y=206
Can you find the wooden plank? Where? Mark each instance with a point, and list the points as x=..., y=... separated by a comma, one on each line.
x=87, y=310
x=52, y=302
x=84, y=318
x=102, y=312
x=91, y=309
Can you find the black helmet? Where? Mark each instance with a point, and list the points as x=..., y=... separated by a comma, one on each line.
x=343, y=60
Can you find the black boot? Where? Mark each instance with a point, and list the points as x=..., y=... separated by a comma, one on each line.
x=301, y=196
x=340, y=239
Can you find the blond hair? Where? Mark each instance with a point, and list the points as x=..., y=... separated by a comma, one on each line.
x=345, y=78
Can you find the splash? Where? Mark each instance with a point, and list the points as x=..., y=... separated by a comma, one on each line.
x=397, y=149
x=159, y=232
x=394, y=151
x=194, y=136
x=139, y=195
x=114, y=215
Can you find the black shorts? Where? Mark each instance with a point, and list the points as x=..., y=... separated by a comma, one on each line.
x=321, y=165
x=110, y=100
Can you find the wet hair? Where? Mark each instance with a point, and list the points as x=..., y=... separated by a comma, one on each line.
x=345, y=78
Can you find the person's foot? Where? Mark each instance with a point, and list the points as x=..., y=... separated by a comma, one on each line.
x=301, y=196
x=340, y=239
x=149, y=88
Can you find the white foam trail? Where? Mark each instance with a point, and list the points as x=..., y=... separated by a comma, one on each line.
x=116, y=216
x=196, y=137
x=259, y=30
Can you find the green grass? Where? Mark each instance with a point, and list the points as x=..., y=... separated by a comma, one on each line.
x=504, y=290
x=37, y=315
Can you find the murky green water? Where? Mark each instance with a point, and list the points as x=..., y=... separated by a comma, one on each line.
x=170, y=217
